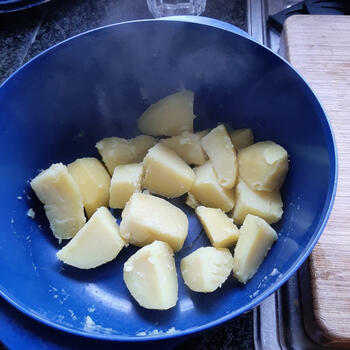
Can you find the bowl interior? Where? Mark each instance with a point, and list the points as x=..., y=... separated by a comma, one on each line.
x=57, y=107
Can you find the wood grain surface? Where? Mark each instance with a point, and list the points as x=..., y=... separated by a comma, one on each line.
x=319, y=48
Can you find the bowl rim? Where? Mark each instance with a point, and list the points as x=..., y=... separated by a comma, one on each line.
x=324, y=216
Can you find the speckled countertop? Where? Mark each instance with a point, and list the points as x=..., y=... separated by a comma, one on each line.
x=25, y=34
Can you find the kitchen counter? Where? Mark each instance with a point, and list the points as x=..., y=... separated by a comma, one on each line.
x=25, y=34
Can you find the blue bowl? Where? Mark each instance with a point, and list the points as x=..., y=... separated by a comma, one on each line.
x=19, y=5
x=95, y=85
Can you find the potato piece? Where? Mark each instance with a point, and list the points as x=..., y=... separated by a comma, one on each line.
x=267, y=205
x=93, y=181
x=188, y=147
x=222, y=154
x=207, y=190
x=147, y=218
x=191, y=201
x=255, y=240
x=57, y=190
x=241, y=138
x=151, y=278
x=126, y=180
x=206, y=269
x=220, y=229
x=116, y=151
x=166, y=173
x=202, y=133
x=170, y=116
x=97, y=243
x=263, y=166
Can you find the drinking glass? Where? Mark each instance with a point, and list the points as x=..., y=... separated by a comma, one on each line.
x=162, y=8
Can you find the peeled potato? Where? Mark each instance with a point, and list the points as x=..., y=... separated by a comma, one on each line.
x=220, y=229
x=217, y=144
x=188, y=146
x=116, y=151
x=207, y=190
x=93, y=181
x=191, y=201
x=267, y=205
x=147, y=218
x=242, y=138
x=56, y=188
x=255, y=240
x=202, y=133
x=150, y=276
x=166, y=173
x=97, y=243
x=169, y=116
x=206, y=269
x=263, y=166
x=126, y=180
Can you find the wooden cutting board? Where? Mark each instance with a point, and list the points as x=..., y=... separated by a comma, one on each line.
x=319, y=48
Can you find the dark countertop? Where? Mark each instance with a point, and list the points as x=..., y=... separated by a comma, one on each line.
x=25, y=34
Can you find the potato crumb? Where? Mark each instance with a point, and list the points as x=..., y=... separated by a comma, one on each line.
x=141, y=334
x=171, y=330
x=274, y=272
x=128, y=268
x=31, y=213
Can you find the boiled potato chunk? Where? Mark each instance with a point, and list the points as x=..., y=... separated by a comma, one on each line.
x=57, y=190
x=206, y=269
x=93, y=181
x=188, y=147
x=267, y=205
x=217, y=144
x=202, y=133
x=116, y=151
x=169, y=116
x=147, y=218
x=151, y=278
x=220, y=229
x=166, y=173
x=126, y=180
x=255, y=240
x=242, y=138
x=263, y=166
x=191, y=201
x=97, y=243
x=207, y=190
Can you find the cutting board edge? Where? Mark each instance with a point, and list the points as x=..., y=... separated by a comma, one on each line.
x=319, y=327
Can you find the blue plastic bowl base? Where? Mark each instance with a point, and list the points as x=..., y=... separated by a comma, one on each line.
x=96, y=85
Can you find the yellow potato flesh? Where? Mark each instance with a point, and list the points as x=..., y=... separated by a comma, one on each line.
x=263, y=166
x=169, y=116
x=97, y=243
x=147, y=218
x=191, y=201
x=126, y=180
x=267, y=205
x=217, y=144
x=220, y=229
x=166, y=173
x=188, y=147
x=255, y=240
x=57, y=190
x=208, y=191
x=93, y=181
x=116, y=151
x=151, y=278
x=242, y=138
x=206, y=269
